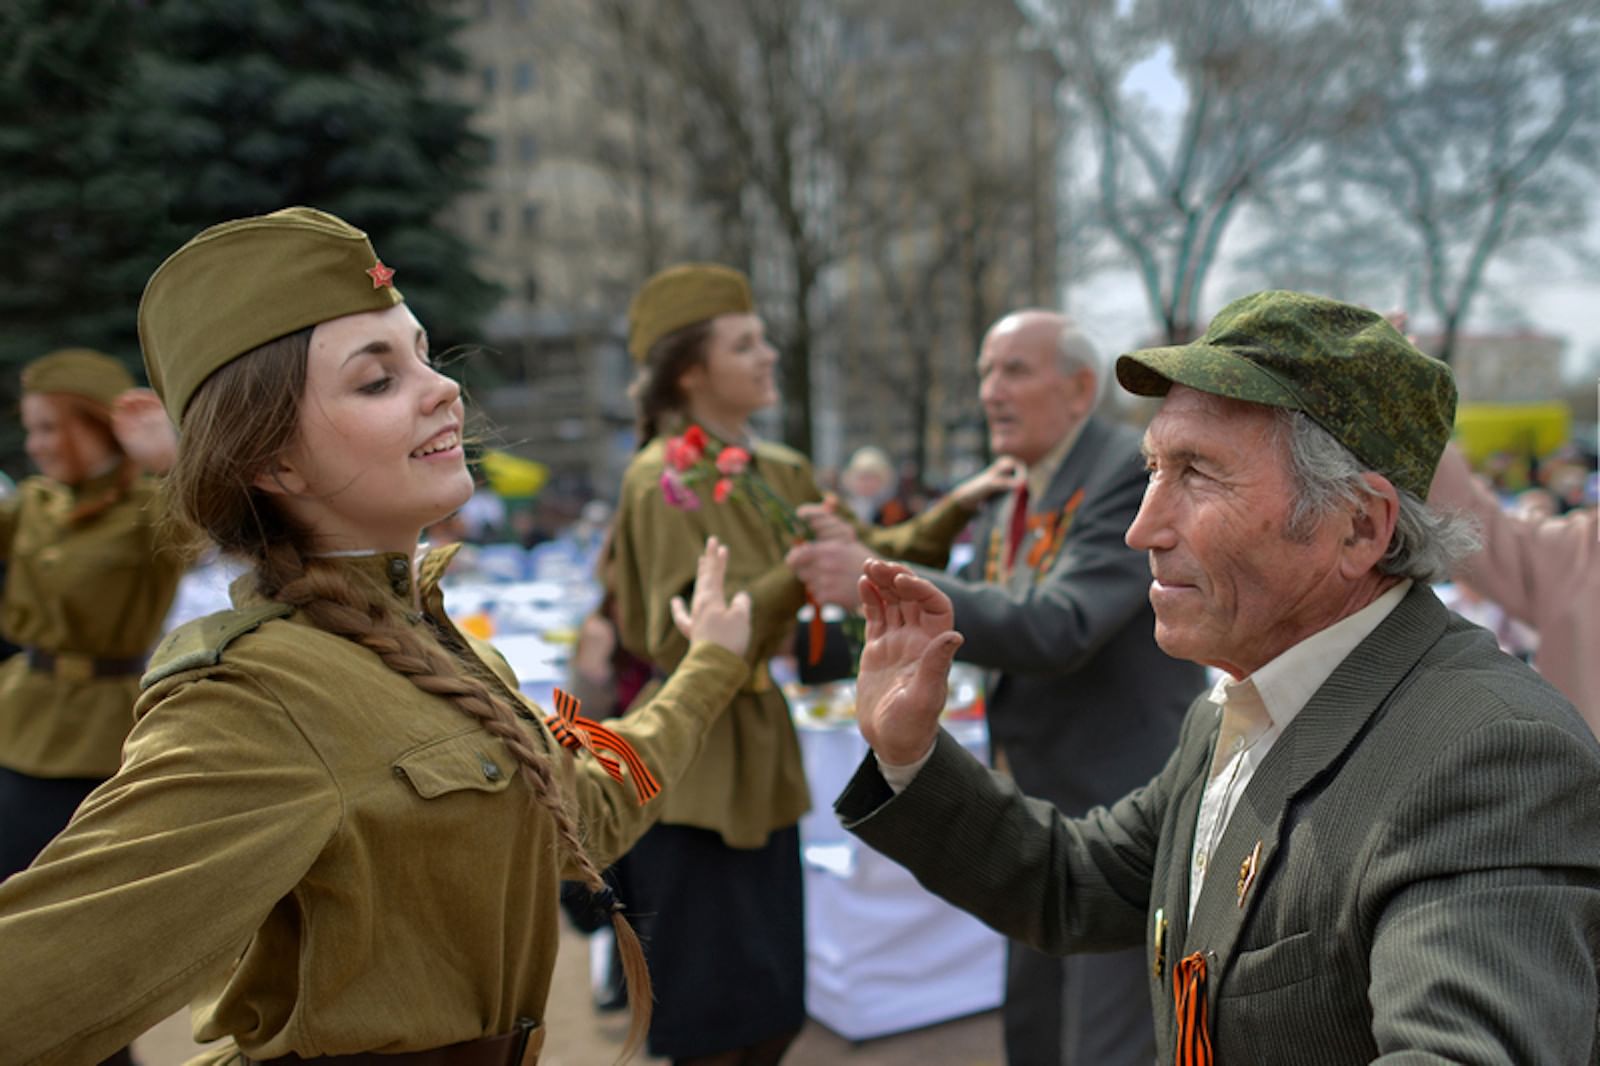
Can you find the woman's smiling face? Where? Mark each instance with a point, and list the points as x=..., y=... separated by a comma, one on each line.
x=378, y=455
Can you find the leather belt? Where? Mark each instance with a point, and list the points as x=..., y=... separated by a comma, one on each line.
x=71, y=666
x=519, y=1048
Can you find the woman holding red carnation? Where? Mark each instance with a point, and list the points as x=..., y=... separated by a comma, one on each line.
x=719, y=887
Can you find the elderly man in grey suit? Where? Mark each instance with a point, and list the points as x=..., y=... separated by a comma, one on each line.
x=1379, y=837
x=1082, y=706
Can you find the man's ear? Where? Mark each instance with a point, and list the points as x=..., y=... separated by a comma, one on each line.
x=1372, y=523
x=1084, y=387
x=281, y=478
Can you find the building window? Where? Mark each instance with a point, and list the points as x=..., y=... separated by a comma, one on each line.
x=530, y=220
x=522, y=76
x=491, y=221
x=488, y=81
x=527, y=148
x=530, y=289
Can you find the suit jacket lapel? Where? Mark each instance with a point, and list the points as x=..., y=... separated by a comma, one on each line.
x=1076, y=467
x=1335, y=716
x=1176, y=902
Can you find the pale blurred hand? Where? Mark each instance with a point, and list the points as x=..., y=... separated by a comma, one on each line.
x=1002, y=475
x=591, y=656
x=711, y=615
x=905, y=665
x=140, y=424
x=824, y=520
x=1400, y=320
x=831, y=569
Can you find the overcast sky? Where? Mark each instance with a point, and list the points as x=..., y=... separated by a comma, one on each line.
x=1563, y=301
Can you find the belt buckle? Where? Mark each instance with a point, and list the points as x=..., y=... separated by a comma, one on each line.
x=71, y=667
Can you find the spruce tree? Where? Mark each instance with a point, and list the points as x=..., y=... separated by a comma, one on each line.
x=81, y=217
x=332, y=104
x=126, y=127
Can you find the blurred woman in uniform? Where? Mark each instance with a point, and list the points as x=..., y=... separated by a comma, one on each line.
x=718, y=880
x=338, y=828
x=90, y=576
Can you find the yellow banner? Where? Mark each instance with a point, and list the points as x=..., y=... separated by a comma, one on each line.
x=1533, y=429
x=513, y=477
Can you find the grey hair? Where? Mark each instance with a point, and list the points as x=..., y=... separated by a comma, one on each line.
x=1075, y=352
x=1427, y=545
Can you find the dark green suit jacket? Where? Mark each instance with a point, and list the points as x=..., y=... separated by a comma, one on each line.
x=1428, y=884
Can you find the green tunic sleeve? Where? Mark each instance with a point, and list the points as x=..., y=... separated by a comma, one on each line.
x=924, y=539
x=164, y=873
x=666, y=732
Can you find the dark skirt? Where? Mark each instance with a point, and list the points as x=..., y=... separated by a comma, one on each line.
x=724, y=933
x=32, y=811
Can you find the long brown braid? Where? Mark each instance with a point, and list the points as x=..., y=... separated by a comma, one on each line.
x=239, y=420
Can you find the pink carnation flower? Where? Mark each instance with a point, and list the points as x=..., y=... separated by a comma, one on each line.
x=677, y=493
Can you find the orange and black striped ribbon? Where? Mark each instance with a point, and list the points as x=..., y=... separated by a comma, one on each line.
x=577, y=733
x=1189, y=997
x=816, y=631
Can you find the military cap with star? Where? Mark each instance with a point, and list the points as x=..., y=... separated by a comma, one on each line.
x=240, y=284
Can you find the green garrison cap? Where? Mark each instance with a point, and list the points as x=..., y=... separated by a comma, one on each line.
x=240, y=284
x=681, y=296
x=78, y=372
x=1344, y=366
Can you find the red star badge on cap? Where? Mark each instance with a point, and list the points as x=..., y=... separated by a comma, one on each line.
x=381, y=275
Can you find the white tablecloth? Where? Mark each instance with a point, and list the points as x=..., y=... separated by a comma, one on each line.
x=882, y=954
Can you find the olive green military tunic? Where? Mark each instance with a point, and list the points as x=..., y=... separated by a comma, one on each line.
x=330, y=859
x=97, y=589
x=749, y=779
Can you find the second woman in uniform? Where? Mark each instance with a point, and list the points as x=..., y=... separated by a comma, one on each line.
x=719, y=879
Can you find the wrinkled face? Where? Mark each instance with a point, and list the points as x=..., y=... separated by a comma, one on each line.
x=1029, y=403
x=737, y=376
x=64, y=446
x=378, y=455
x=1229, y=589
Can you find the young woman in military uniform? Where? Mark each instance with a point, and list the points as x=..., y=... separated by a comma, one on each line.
x=337, y=828
x=718, y=880
x=90, y=577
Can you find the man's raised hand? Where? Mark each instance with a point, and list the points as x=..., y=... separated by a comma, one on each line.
x=903, y=680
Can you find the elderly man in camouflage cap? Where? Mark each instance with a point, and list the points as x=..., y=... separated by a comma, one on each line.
x=1379, y=837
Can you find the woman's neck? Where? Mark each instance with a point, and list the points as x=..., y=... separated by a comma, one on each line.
x=96, y=471
x=730, y=428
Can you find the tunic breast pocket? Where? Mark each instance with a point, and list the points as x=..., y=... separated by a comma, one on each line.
x=467, y=762
x=1278, y=965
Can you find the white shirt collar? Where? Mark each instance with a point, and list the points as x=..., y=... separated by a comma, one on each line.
x=1287, y=683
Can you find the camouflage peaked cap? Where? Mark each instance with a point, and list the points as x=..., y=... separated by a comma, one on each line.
x=78, y=372
x=1344, y=366
x=240, y=284
x=681, y=296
